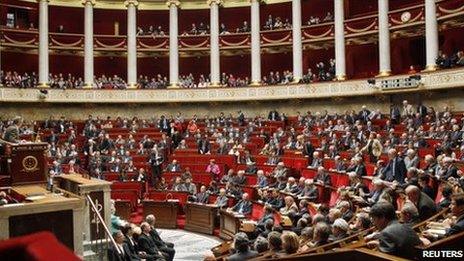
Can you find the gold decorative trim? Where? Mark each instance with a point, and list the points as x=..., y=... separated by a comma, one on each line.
x=430, y=68
x=384, y=74
x=154, y=46
x=235, y=44
x=318, y=36
x=451, y=11
x=110, y=46
x=66, y=45
x=194, y=45
x=132, y=86
x=43, y=85
x=19, y=42
x=215, y=84
x=277, y=41
x=88, y=85
x=341, y=77
x=255, y=83
x=218, y=2
x=174, y=85
x=417, y=17
x=93, y=2
x=131, y=2
x=434, y=81
x=173, y=2
x=369, y=27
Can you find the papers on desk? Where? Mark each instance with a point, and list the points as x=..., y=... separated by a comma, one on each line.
x=435, y=231
x=239, y=215
x=35, y=198
x=13, y=205
x=173, y=200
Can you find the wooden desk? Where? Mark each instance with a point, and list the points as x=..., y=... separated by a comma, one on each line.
x=229, y=224
x=60, y=214
x=165, y=212
x=99, y=192
x=200, y=217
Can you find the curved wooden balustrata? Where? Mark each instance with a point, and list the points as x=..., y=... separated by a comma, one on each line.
x=314, y=36
x=449, y=79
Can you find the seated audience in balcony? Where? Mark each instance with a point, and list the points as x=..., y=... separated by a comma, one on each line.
x=313, y=20
x=269, y=24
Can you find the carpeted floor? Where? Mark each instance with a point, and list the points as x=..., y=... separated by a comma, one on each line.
x=189, y=246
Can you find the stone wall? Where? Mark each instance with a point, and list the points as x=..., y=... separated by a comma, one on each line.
x=41, y=110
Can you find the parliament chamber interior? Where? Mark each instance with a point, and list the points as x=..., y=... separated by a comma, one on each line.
x=231, y=130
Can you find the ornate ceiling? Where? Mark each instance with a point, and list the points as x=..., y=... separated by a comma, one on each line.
x=155, y=4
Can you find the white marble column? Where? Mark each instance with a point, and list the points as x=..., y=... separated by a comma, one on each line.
x=88, y=43
x=297, y=47
x=43, y=44
x=131, y=43
x=173, y=44
x=431, y=35
x=215, y=63
x=384, y=39
x=339, y=16
x=255, y=43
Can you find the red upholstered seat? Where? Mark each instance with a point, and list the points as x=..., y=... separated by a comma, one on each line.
x=309, y=173
x=41, y=246
x=128, y=185
x=257, y=211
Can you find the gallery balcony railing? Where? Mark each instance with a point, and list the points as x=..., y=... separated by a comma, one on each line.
x=400, y=20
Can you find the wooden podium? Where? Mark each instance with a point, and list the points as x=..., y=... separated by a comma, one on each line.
x=165, y=212
x=200, y=217
x=42, y=210
x=229, y=224
x=99, y=192
x=25, y=163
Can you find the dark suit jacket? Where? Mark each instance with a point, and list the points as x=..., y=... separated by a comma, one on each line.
x=395, y=170
x=202, y=198
x=426, y=206
x=113, y=255
x=246, y=207
x=456, y=228
x=398, y=239
x=147, y=244
x=325, y=178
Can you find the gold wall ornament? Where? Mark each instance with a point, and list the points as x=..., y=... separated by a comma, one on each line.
x=93, y=2
x=218, y=2
x=173, y=2
x=131, y=2
x=30, y=164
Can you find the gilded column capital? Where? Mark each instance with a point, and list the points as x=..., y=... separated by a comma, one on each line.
x=127, y=3
x=93, y=2
x=39, y=1
x=173, y=2
x=218, y=2
x=259, y=1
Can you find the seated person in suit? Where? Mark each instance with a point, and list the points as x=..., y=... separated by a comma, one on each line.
x=322, y=177
x=244, y=206
x=316, y=162
x=339, y=229
x=409, y=214
x=339, y=164
x=189, y=187
x=146, y=244
x=291, y=186
x=394, y=238
x=240, y=179
x=455, y=224
x=202, y=196
x=262, y=179
x=174, y=166
x=141, y=176
x=166, y=248
x=121, y=251
x=134, y=253
x=251, y=168
x=242, y=251
x=290, y=209
x=424, y=203
x=222, y=200
x=309, y=192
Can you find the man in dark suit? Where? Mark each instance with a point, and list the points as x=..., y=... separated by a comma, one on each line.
x=424, y=203
x=457, y=208
x=202, y=197
x=396, y=169
x=120, y=251
x=273, y=116
x=395, y=115
x=242, y=251
x=322, y=177
x=174, y=166
x=204, y=145
x=359, y=168
x=244, y=206
x=148, y=245
x=450, y=169
x=166, y=248
x=164, y=124
x=222, y=200
x=394, y=238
